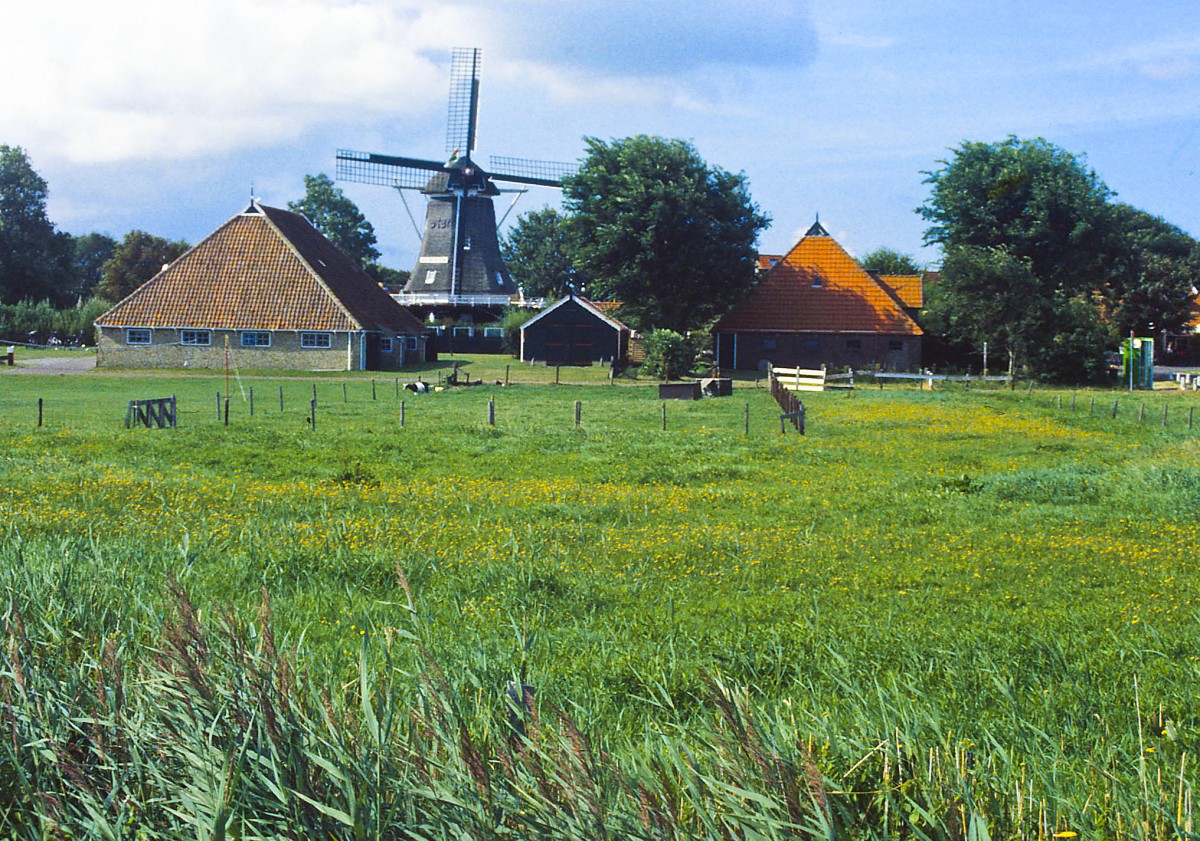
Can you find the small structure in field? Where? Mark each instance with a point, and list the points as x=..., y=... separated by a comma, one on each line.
x=574, y=331
x=265, y=290
x=817, y=306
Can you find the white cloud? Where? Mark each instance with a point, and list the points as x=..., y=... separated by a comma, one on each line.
x=150, y=79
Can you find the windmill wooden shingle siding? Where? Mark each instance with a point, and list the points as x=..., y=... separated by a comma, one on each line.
x=574, y=331
x=817, y=306
x=459, y=267
x=282, y=296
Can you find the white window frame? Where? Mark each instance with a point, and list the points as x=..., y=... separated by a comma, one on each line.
x=195, y=338
x=493, y=332
x=131, y=332
x=316, y=341
x=385, y=344
x=410, y=343
x=469, y=332
x=255, y=336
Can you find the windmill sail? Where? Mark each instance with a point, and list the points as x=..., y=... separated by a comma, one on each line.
x=460, y=263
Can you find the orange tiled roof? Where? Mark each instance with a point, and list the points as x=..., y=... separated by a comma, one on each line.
x=909, y=288
x=264, y=269
x=819, y=288
x=766, y=261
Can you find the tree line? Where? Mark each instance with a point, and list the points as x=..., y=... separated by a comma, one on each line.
x=1038, y=259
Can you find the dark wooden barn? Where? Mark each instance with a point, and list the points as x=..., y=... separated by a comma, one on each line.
x=574, y=331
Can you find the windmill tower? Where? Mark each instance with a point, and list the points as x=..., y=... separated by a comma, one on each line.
x=460, y=268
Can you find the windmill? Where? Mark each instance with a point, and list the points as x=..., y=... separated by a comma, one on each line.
x=460, y=266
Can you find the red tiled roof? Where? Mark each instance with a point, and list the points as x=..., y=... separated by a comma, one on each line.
x=909, y=288
x=819, y=288
x=264, y=269
x=766, y=261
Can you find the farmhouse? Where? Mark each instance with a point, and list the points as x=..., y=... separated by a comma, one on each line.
x=265, y=290
x=817, y=306
x=574, y=331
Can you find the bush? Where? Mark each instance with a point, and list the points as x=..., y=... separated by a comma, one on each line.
x=511, y=322
x=669, y=355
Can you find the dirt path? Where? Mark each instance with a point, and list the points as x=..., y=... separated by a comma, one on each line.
x=52, y=365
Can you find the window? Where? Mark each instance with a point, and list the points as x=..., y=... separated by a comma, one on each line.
x=410, y=343
x=430, y=276
x=895, y=344
x=316, y=340
x=464, y=331
x=195, y=337
x=385, y=344
x=137, y=336
x=818, y=281
x=853, y=344
x=770, y=344
x=256, y=339
x=493, y=332
x=812, y=345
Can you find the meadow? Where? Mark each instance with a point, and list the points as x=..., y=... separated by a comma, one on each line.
x=964, y=613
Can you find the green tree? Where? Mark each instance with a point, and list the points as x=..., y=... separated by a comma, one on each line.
x=1026, y=233
x=337, y=217
x=35, y=259
x=540, y=254
x=887, y=261
x=661, y=231
x=139, y=257
x=1155, y=267
x=90, y=253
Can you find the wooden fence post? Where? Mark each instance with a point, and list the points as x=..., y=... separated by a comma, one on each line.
x=1191, y=409
x=218, y=405
x=312, y=413
x=491, y=411
x=1141, y=413
x=1114, y=412
x=506, y=375
x=281, y=400
x=401, y=414
x=746, y=420
x=373, y=397
x=227, y=411
x=344, y=398
x=39, y=411
x=1165, y=406
x=664, y=416
x=578, y=412
x=252, y=401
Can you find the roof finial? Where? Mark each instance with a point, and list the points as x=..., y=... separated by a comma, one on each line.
x=817, y=230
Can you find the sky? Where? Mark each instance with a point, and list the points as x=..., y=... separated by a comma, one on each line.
x=167, y=116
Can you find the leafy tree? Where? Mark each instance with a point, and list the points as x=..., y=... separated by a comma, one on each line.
x=540, y=254
x=890, y=262
x=669, y=355
x=91, y=252
x=1154, y=269
x=35, y=259
x=139, y=257
x=1026, y=233
x=663, y=232
x=337, y=217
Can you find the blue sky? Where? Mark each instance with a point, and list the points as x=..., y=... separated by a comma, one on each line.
x=161, y=115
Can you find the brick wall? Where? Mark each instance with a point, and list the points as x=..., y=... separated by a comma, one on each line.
x=285, y=352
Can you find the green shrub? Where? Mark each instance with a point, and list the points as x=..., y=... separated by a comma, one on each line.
x=669, y=355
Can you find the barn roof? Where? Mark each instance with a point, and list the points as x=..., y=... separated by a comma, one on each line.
x=591, y=306
x=819, y=288
x=909, y=288
x=264, y=269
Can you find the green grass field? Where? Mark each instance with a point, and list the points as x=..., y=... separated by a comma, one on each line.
x=948, y=612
